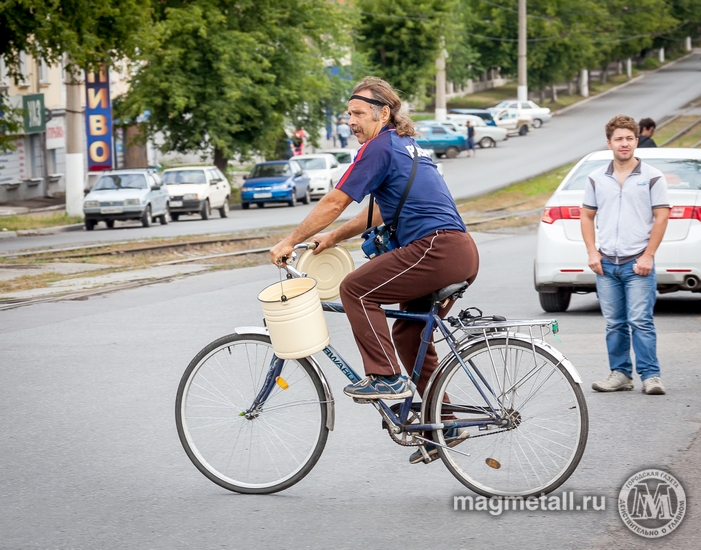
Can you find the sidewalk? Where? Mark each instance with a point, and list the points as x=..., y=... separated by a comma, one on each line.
x=29, y=206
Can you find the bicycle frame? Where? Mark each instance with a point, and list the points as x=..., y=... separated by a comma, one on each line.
x=431, y=322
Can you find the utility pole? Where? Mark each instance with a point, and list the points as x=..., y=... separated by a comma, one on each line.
x=441, y=105
x=522, y=60
x=75, y=162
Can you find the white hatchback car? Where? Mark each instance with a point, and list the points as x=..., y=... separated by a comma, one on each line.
x=323, y=170
x=485, y=135
x=561, y=257
x=197, y=190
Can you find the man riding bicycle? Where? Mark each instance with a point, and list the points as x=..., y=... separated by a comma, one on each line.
x=434, y=249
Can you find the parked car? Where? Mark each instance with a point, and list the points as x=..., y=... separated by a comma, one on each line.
x=441, y=139
x=484, y=114
x=323, y=170
x=485, y=135
x=275, y=181
x=345, y=157
x=126, y=195
x=197, y=190
x=515, y=121
x=561, y=264
x=539, y=114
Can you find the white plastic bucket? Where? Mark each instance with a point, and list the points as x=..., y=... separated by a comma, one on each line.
x=296, y=325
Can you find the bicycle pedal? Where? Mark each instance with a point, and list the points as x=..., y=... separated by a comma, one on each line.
x=361, y=401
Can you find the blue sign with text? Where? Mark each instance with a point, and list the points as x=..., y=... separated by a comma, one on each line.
x=98, y=121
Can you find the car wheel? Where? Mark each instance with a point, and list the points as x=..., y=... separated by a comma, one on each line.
x=260, y=204
x=451, y=152
x=175, y=216
x=146, y=219
x=307, y=197
x=537, y=123
x=165, y=217
x=245, y=205
x=487, y=142
x=224, y=210
x=293, y=201
x=205, y=212
x=90, y=224
x=555, y=302
x=523, y=130
x=109, y=223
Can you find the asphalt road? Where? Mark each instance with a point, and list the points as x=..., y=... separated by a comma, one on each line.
x=90, y=459
x=565, y=139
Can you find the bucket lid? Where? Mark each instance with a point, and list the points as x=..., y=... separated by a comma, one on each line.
x=329, y=267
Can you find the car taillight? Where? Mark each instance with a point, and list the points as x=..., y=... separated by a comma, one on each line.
x=552, y=213
x=685, y=213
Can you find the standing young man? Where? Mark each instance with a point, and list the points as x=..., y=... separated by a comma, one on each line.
x=629, y=197
x=647, y=130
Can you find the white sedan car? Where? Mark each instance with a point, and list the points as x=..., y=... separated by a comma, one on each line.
x=345, y=157
x=561, y=257
x=323, y=170
x=539, y=114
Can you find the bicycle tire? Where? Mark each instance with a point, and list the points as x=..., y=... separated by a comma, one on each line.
x=547, y=411
x=260, y=455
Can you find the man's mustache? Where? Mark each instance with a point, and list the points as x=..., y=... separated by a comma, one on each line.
x=356, y=129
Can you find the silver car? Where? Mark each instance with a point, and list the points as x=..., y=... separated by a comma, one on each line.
x=126, y=195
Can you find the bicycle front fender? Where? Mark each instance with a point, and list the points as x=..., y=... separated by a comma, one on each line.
x=464, y=344
x=328, y=396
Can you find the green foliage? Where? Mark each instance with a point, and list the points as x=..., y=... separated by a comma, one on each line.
x=11, y=122
x=402, y=39
x=224, y=76
x=89, y=31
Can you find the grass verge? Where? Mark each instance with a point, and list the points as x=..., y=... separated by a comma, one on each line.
x=37, y=221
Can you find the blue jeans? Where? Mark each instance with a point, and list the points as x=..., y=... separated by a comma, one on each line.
x=627, y=302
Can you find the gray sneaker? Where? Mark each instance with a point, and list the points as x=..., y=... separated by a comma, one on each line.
x=616, y=381
x=653, y=386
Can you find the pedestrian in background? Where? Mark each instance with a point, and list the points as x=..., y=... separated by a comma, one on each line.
x=344, y=132
x=647, y=130
x=629, y=199
x=298, y=141
x=470, y=139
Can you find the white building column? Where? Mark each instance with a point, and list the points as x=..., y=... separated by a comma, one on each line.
x=584, y=83
x=75, y=161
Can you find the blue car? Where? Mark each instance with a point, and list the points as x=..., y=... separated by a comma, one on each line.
x=275, y=181
x=442, y=140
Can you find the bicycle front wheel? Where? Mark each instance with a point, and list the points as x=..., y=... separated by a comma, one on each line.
x=261, y=451
x=544, y=437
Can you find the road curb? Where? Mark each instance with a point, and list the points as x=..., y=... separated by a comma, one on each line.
x=623, y=85
x=47, y=230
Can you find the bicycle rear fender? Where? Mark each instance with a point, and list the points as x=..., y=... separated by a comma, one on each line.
x=526, y=338
x=328, y=396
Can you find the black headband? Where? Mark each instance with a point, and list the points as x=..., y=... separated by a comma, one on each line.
x=369, y=100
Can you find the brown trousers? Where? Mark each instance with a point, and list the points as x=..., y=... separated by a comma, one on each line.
x=405, y=276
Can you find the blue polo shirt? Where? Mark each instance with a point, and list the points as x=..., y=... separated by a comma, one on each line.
x=382, y=168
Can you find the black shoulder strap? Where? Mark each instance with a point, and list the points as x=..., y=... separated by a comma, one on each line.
x=409, y=183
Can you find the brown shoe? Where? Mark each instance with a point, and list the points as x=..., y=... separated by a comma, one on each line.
x=653, y=386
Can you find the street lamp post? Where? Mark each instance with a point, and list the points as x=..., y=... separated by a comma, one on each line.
x=522, y=60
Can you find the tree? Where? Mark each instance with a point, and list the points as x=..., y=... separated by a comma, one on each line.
x=88, y=31
x=402, y=39
x=225, y=76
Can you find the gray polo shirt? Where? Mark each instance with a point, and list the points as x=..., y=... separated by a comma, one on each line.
x=624, y=213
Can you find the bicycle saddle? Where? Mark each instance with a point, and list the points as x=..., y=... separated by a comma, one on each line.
x=454, y=291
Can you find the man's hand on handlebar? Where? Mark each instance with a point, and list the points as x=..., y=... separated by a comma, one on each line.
x=323, y=241
x=280, y=251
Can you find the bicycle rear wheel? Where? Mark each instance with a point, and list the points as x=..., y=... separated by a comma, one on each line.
x=271, y=448
x=547, y=417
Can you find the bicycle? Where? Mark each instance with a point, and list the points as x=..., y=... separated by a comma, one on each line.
x=254, y=423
